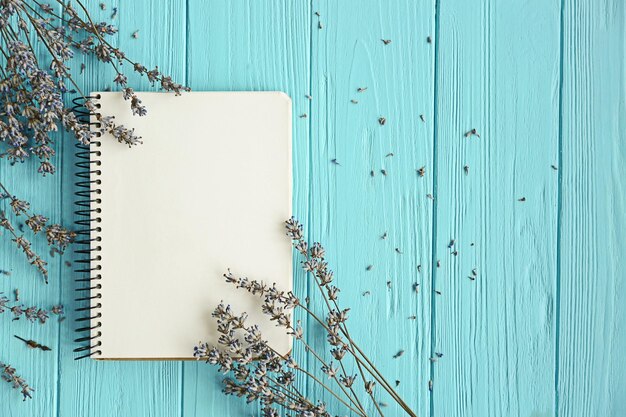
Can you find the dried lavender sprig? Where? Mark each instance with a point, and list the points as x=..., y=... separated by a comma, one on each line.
x=315, y=264
x=56, y=235
x=24, y=246
x=318, y=267
x=17, y=382
x=338, y=318
x=32, y=314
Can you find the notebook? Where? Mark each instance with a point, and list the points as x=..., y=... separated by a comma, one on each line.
x=209, y=189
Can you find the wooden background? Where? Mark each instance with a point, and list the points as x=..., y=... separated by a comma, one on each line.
x=540, y=332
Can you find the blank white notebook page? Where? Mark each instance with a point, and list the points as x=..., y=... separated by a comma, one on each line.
x=209, y=189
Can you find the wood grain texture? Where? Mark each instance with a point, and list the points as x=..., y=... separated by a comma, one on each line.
x=497, y=72
x=540, y=332
x=350, y=209
x=591, y=372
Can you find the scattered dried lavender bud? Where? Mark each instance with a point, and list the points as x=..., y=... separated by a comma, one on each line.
x=397, y=355
x=422, y=118
x=369, y=267
x=554, y=167
x=455, y=252
x=114, y=14
x=103, y=6
x=421, y=171
x=397, y=382
x=474, y=272
x=522, y=199
x=17, y=295
x=416, y=287
x=389, y=154
x=438, y=263
x=386, y=41
x=412, y=317
x=303, y=116
x=439, y=355
x=389, y=284
x=372, y=173
x=383, y=404
x=361, y=89
x=419, y=268
x=430, y=385
x=466, y=169
x=335, y=162
x=308, y=96
x=353, y=101
x=4, y=272
x=452, y=241
x=472, y=132
x=398, y=251
x=384, y=172
x=429, y=39
x=437, y=292
x=382, y=121
x=135, y=35
x=319, y=25
x=430, y=197
x=366, y=293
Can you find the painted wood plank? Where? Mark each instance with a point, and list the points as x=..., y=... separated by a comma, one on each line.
x=592, y=338
x=37, y=367
x=351, y=208
x=497, y=72
x=89, y=387
x=250, y=45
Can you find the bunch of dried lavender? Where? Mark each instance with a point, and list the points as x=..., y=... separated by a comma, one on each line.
x=17, y=382
x=261, y=374
x=32, y=91
x=57, y=236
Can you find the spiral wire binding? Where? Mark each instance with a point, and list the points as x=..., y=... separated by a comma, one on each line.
x=87, y=253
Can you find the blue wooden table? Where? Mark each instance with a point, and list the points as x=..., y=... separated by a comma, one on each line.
x=541, y=331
